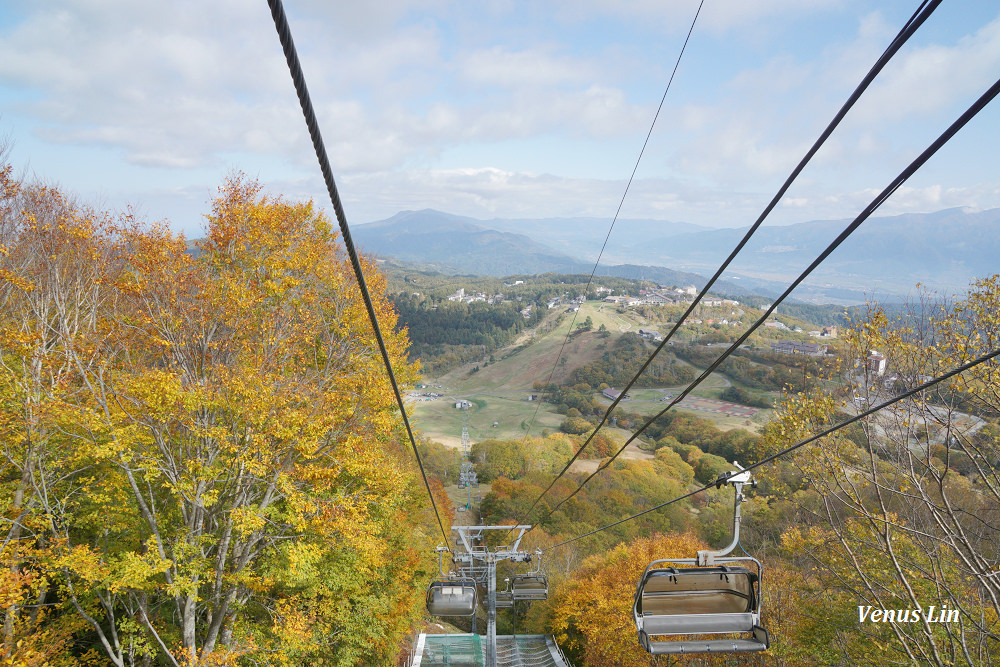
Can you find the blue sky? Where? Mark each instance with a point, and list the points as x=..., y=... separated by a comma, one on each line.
x=499, y=108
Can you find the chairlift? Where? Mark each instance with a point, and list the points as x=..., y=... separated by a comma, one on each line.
x=505, y=598
x=531, y=586
x=451, y=596
x=717, y=595
x=527, y=587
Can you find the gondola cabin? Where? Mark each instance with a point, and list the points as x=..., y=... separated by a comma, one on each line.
x=685, y=602
x=452, y=598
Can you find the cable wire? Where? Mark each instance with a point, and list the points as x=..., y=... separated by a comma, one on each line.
x=619, y=210
x=946, y=136
x=298, y=78
x=926, y=385
x=921, y=14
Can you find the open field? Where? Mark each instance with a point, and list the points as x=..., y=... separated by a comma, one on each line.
x=440, y=420
x=726, y=416
x=535, y=362
x=499, y=391
x=460, y=498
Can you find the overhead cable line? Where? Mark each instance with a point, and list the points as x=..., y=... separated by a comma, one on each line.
x=926, y=385
x=620, y=204
x=953, y=129
x=295, y=69
x=916, y=20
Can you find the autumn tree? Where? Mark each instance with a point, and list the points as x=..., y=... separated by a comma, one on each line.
x=903, y=512
x=203, y=443
x=50, y=263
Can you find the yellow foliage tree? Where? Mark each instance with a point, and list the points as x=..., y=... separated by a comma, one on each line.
x=591, y=614
x=902, y=511
x=207, y=436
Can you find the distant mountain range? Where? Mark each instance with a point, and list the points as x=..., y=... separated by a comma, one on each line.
x=885, y=257
x=455, y=244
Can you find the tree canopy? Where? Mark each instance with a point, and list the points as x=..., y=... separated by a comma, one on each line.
x=200, y=461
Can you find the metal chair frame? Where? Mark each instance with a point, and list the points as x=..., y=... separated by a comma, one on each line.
x=464, y=592
x=706, y=623
x=505, y=598
x=531, y=593
x=446, y=585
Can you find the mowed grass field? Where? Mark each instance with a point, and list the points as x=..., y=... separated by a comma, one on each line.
x=499, y=391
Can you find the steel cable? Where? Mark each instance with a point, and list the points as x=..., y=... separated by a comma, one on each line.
x=953, y=129
x=926, y=385
x=298, y=78
x=619, y=210
x=916, y=20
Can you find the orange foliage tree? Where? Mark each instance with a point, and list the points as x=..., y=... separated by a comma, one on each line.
x=201, y=453
x=591, y=614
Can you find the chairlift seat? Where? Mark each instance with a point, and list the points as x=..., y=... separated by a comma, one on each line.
x=530, y=587
x=452, y=597
x=505, y=599
x=698, y=601
x=758, y=642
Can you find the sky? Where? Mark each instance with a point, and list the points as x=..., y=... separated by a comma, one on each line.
x=500, y=108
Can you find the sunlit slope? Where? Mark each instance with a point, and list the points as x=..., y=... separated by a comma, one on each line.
x=499, y=391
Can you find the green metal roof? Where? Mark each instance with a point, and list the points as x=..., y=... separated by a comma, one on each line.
x=470, y=650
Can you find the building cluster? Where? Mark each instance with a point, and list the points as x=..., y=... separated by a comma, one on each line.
x=825, y=332
x=612, y=394
x=665, y=296
x=460, y=295
x=724, y=321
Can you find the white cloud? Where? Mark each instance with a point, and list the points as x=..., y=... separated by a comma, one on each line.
x=491, y=192
x=170, y=91
x=931, y=78
x=415, y=83
x=719, y=16
x=526, y=68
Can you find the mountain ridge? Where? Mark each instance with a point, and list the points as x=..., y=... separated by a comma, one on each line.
x=457, y=244
x=889, y=255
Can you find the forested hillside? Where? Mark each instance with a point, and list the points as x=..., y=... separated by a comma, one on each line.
x=900, y=511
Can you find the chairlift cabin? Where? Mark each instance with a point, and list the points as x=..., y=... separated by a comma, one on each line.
x=529, y=587
x=452, y=597
x=532, y=585
x=677, y=601
x=717, y=595
x=505, y=598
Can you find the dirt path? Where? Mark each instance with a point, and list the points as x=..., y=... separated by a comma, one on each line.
x=624, y=325
x=632, y=452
